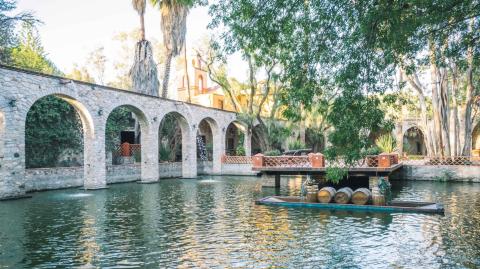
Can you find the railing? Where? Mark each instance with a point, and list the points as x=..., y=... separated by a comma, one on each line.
x=127, y=150
x=236, y=159
x=286, y=161
x=436, y=160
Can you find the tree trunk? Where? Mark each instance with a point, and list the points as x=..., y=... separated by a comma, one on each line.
x=253, y=84
x=455, y=138
x=444, y=112
x=437, y=125
x=166, y=74
x=467, y=147
x=142, y=27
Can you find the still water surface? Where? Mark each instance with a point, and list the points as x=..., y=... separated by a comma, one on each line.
x=214, y=223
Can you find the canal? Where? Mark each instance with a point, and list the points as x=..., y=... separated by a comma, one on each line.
x=214, y=223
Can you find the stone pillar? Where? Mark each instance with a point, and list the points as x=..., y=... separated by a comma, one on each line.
x=149, y=142
x=247, y=142
x=398, y=133
x=218, y=141
x=258, y=160
x=94, y=161
x=317, y=160
x=189, y=152
x=12, y=158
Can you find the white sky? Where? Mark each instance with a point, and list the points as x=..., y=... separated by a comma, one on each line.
x=73, y=28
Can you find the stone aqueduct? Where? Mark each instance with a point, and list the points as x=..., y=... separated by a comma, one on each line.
x=19, y=89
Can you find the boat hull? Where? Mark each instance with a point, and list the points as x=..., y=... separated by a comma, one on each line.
x=395, y=206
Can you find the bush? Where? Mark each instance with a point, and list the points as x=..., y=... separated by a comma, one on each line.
x=296, y=145
x=373, y=150
x=164, y=153
x=240, y=151
x=274, y=152
x=386, y=143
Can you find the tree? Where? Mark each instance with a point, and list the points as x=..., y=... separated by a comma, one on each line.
x=174, y=28
x=320, y=57
x=97, y=60
x=144, y=70
x=52, y=125
x=8, y=23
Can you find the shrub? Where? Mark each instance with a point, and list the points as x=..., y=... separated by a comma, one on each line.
x=296, y=145
x=386, y=143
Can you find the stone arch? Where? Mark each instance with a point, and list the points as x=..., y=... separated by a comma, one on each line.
x=414, y=141
x=233, y=138
x=142, y=136
x=216, y=142
x=94, y=169
x=188, y=144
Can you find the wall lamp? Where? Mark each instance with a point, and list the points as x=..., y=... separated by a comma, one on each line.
x=100, y=112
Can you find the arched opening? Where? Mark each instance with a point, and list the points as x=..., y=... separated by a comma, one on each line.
x=476, y=140
x=123, y=132
x=208, y=150
x=173, y=135
x=414, y=142
x=56, y=130
x=204, y=141
x=257, y=138
x=235, y=139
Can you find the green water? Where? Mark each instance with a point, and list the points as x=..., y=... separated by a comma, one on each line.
x=214, y=223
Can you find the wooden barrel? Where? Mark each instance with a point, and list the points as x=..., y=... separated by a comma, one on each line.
x=325, y=195
x=377, y=197
x=361, y=196
x=343, y=195
x=311, y=194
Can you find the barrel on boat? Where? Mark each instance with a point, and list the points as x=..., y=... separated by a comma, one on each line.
x=326, y=194
x=361, y=196
x=343, y=195
x=312, y=194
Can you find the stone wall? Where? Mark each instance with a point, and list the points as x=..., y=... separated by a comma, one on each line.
x=440, y=173
x=238, y=169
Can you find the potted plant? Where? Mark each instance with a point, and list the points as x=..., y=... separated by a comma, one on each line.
x=387, y=144
x=371, y=156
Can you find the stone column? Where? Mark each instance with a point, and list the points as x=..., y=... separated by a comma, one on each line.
x=94, y=161
x=398, y=132
x=12, y=159
x=189, y=152
x=218, y=141
x=149, y=141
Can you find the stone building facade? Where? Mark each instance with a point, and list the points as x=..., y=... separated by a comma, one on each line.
x=20, y=89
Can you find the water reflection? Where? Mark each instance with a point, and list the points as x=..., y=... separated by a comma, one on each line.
x=215, y=223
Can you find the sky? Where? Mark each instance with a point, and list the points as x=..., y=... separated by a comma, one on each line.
x=71, y=29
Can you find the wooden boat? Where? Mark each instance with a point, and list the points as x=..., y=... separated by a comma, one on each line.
x=395, y=206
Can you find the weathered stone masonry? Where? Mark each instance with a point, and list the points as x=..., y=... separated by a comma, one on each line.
x=20, y=89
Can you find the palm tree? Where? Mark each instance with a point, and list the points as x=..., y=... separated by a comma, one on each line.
x=139, y=6
x=144, y=73
x=174, y=28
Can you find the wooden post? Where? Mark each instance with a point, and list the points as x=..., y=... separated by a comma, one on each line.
x=277, y=180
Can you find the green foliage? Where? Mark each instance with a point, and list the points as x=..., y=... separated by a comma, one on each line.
x=52, y=126
x=335, y=174
x=8, y=24
x=373, y=150
x=274, y=152
x=353, y=117
x=240, y=150
x=386, y=143
x=296, y=145
x=164, y=153
x=170, y=137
